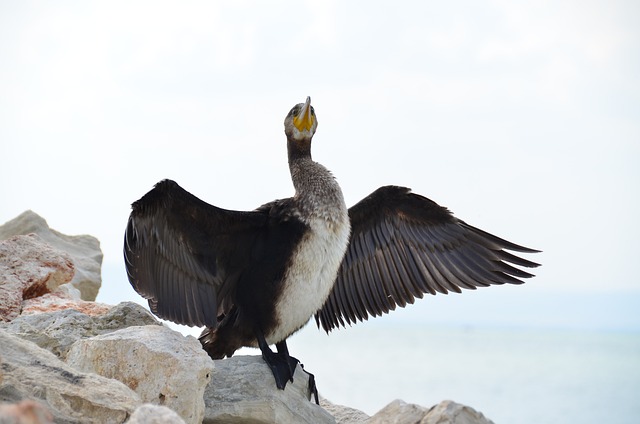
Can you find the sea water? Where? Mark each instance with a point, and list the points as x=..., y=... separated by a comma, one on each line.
x=514, y=376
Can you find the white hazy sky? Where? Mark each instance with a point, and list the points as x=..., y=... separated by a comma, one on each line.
x=522, y=117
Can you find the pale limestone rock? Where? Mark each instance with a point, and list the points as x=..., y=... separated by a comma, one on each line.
x=161, y=365
x=399, y=412
x=344, y=414
x=154, y=414
x=449, y=412
x=446, y=412
x=29, y=268
x=243, y=390
x=84, y=250
x=56, y=331
x=28, y=372
x=25, y=412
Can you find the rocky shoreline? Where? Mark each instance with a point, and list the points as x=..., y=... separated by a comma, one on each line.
x=65, y=358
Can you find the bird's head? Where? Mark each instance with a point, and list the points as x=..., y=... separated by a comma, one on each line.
x=301, y=123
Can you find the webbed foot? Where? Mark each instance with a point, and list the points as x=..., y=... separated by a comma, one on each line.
x=282, y=367
x=312, y=388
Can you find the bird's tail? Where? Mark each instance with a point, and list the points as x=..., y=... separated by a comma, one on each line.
x=225, y=339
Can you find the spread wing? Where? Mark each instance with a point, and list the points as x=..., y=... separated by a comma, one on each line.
x=404, y=245
x=185, y=255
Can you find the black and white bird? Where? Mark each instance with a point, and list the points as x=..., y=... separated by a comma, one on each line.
x=254, y=278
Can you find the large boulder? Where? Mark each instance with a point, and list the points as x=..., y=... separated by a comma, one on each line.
x=59, y=329
x=243, y=390
x=29, y=268
x=344, y=414
x=446, y=412
x=161, y=365
x=28, y=372
x=84, y=250
x=154, y=414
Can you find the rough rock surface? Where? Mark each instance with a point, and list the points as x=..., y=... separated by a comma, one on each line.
x=344, y=414
x=25, y=412
x=161, y=365
x=154, y=414
x=56, y=331
x=61, y=299
x=243, y=390
x=446, y=412
x=28, y=372
x=84, y=250
x=29, y=268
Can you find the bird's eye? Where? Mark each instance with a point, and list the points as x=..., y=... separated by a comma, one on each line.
x=313, y=111
x=294, y=111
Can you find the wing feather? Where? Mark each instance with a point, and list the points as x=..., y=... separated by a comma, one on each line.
x=368, y=296
x=404, y=245
x=185, y=255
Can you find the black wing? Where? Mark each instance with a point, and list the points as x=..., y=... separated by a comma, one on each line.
x=404, y=245
x=185, y=255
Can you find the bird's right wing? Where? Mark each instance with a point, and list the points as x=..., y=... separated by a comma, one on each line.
x=185, y=255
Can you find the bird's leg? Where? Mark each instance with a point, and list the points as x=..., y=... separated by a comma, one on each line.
x=283, y=365
x=284, y=352
x=279, y=363
x=293, y=362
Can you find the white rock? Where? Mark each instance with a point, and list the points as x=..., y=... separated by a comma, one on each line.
x=28, y=372
x=29, y=268
x=161, y=365
x=243, y=390
x=154, y=414
x=57, y=330
x=446, y=412
x=449, y=412
x=399, y=412
x=344, y=414
x=84, y=250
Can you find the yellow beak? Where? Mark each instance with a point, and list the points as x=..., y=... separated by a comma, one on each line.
x=304, y=119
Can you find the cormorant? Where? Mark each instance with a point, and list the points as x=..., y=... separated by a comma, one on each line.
x=255, y=278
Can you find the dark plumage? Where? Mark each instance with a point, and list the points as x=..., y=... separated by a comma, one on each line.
x=254, y=278
x=403, y=245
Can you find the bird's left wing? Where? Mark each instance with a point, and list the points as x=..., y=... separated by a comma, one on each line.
x=185, y=255
x=404, y=245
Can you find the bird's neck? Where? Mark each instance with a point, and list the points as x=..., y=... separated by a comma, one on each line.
x=298, y=150
x=315, y=185
x=302, y=167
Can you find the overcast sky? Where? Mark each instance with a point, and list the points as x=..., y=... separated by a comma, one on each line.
x=522, y=117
